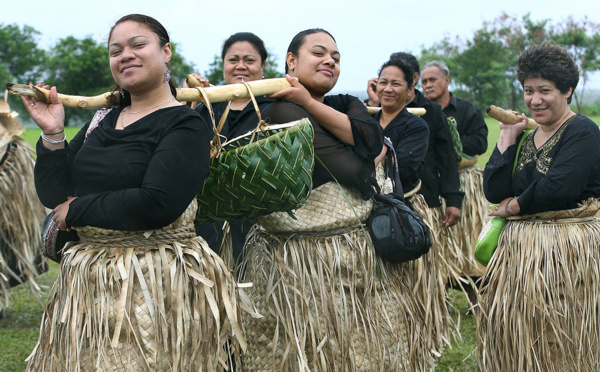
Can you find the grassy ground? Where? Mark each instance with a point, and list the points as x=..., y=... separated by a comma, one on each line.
x=20, y=327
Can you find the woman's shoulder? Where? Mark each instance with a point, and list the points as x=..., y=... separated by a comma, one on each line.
x=341, y=100
x=181, y=115
x=582, y=125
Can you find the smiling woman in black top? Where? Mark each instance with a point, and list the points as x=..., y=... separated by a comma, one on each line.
x=548, y=253
x=126, y=183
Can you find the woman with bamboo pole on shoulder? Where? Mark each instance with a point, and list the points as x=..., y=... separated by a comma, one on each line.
x=328, y=302
x=139, y=291
x=547, y=260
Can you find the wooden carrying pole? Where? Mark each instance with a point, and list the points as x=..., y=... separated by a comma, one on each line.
x=508, y=117
x=214, y=94
x=419, y=111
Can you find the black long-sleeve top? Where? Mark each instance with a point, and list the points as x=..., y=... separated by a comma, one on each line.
x=410, y=136
x=139, y=178
x=558, y=175
x=439, y=172
x=471, y=127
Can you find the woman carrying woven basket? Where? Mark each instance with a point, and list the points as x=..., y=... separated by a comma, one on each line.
x=543, y=281
x=244, y=58
x=328, y=303
x=139, y=291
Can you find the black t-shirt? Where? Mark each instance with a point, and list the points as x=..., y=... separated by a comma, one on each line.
x=471, y=127
x=558, y=175
x=139, y=178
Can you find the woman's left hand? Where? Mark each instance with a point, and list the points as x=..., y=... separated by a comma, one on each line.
x=501, y=211
x=297, y=93
x=60, y=213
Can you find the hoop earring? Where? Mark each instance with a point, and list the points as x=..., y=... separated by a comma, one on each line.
x=167, y=74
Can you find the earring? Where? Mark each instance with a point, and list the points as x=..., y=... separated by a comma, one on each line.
x=167, y=74
x=122, y=91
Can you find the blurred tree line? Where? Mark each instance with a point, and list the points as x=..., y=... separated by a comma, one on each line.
x=483, y=68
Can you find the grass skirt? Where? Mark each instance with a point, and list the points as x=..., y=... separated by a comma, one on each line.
x=473, y=216
x=328, y=303
x=542, y=311
x=158, y=300
x=430, y=285
x=21, y=215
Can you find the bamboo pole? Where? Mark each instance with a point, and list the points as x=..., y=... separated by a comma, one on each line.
x=214, y=94
x=419, y=111
x=508, y=117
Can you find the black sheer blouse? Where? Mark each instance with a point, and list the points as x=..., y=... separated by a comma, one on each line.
x=410, y=136
x=139, y=178
x=558, y=175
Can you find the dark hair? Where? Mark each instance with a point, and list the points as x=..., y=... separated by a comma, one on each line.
x=163, y=38
x=408, y=58
x=299, y=39
x=402, y=65
x=249, y=37
x=550, y=62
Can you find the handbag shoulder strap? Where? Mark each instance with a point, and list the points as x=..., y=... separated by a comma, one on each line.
x=525, y=134
x=393, y=166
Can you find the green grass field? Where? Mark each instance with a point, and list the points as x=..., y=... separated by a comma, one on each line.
x=20, y=327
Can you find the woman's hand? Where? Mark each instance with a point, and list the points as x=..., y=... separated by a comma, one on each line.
x=50, y=117
x=452, y=216
x=502, y=210
x=201, y=79
x=60, y=213
x=372, y=92
x=297, y=93
x=381, y=157
x=510, y=132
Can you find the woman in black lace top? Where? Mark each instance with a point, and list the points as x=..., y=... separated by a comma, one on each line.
x=548, y=253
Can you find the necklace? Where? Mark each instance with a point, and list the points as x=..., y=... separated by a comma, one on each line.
x=126, y=109
x=241, y=107
x=150, y=108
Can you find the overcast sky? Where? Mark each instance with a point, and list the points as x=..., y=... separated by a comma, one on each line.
x=366, y=34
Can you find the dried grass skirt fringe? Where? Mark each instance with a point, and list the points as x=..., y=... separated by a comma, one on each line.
x=328, y=303
x=21, y=215
x=429, y=287
x=142, y=301
x=542, y=311
x=473, y=216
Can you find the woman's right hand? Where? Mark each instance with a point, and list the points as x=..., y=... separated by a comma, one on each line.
x=50, y=117
x=372, y=92
x=510, y=132
x=201, y=79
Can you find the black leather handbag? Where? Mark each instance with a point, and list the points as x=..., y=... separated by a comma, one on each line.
x=398, y=233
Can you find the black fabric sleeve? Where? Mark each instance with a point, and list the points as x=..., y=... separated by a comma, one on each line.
x=53, y=181
x=497, y=175
x=446, y=161
x=174, y=175
x=473, y=133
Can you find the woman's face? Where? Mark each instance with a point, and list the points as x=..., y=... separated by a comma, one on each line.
x=137, y=61
x=392, y=88
x=242, y=63
x=317, y=65
x=544, y=100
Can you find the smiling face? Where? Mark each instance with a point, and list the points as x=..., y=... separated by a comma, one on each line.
x=392, y=88
x=317, y=65
x=137, y=61
x=242, y=63
x=434, y=83
x=544, y=100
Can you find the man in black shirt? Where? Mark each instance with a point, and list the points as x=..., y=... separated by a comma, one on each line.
x=439, y=172
x=472, y=129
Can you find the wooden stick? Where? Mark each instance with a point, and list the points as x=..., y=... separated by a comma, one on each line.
x=419, y=111
x=508, y=117
x=215, y=94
